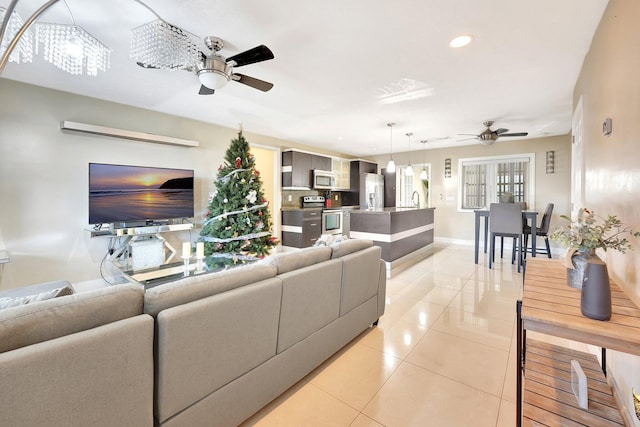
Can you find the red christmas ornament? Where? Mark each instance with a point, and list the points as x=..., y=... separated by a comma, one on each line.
x=259, y=213
x=238, y=162
x=256, y=172
x=219, y=168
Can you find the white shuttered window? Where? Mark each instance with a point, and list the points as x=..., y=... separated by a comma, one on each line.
x=486, y=180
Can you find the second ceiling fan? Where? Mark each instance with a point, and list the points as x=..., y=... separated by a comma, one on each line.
x=488, y=136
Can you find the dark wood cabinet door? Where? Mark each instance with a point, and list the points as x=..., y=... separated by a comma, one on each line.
x=389, y=188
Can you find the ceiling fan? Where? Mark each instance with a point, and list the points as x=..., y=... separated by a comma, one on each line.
x=214, y=70
x=488, y=136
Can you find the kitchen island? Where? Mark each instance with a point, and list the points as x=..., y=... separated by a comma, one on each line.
x=404, y=234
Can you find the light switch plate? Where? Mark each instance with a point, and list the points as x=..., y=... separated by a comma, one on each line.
x=579, y=384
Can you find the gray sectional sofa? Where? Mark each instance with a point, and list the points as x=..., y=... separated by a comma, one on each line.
x=208, y=350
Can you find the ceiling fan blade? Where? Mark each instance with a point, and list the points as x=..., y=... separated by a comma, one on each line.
x=251, y=56
x=143, y=65
x=205, y=90
x=515, y=134
x=253, y=82
x=466, y=139
x=470, y=134
x=501, y=131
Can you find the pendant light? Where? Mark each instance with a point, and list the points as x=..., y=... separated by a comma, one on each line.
x=409, y=170
x=391, y=166
x=423, y=174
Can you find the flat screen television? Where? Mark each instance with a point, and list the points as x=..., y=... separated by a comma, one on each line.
x=138, y=194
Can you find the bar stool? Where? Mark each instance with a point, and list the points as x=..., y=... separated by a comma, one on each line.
x=505, y=220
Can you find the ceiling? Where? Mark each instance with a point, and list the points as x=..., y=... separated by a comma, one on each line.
x=344, y=69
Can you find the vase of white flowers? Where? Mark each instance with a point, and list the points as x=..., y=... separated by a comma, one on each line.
x=585, y=271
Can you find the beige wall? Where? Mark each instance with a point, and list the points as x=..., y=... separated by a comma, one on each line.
x=609, y=85
x=267, y=163
x=43, y=176
x=458, y=227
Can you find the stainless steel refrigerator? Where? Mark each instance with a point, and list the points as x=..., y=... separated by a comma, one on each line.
x=371, y=191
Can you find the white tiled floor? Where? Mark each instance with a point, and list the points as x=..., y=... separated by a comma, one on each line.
x=442, y=355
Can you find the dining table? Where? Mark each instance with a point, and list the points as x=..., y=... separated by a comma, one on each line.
x=527, y=215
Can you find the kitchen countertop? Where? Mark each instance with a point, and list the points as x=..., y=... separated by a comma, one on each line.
x=289, y=208
x=387, y=211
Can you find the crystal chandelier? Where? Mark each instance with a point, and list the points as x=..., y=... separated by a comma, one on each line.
x=72, y=49
x=24, y=48
x=159, y=44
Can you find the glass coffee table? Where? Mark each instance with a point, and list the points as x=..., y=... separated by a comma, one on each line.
x=173, y=271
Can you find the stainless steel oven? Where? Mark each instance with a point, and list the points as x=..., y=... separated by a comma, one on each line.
x=332, y=221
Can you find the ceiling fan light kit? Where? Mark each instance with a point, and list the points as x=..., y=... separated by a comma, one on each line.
x=215, y=73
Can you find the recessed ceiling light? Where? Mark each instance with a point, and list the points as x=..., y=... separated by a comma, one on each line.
x=460, y=41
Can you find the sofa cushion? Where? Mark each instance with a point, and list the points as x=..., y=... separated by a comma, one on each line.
x=194, y=288
x=310, y=301
x=98, y=377
x=205, y=344
x=349, y=246
x=28, y=324
x=288, y=261
x=360, y=277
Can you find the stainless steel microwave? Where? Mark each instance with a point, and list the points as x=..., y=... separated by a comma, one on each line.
x=323, y=180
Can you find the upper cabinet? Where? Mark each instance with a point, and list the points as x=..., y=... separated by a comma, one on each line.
x=358, y=167
x=297, y=167
x=320, y=162
x=342, y=169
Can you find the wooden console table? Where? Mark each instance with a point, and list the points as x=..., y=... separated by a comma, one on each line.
x=551, y=307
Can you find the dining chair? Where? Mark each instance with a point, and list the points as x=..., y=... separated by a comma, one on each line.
x=505, y=220
x=541, y=231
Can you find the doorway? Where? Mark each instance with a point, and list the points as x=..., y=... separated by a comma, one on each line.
x=267, y=163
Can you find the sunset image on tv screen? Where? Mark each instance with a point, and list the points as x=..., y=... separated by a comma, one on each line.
x=120, y=193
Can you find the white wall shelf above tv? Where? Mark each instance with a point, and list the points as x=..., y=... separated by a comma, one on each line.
x=126, y=134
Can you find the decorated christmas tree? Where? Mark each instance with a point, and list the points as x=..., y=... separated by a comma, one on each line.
x=238, y=222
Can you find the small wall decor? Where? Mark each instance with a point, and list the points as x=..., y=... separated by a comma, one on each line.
x=607, y=126
x=447, y=168
x=551, y=161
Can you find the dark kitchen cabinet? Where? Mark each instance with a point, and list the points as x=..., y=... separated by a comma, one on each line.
x=320, y=162
x=301, y=228
x=297, y=168
x=358, y=167
x=389, y=188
